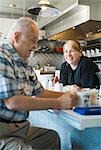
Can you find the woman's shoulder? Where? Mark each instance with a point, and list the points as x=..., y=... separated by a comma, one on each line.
x=88, y=62
x=64, y=65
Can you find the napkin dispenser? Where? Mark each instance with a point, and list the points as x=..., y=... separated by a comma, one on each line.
x=93, y=110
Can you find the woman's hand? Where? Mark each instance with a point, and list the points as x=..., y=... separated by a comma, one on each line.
x=74, y=88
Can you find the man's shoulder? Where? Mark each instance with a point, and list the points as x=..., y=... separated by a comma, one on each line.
x=5, y=56
x=4, y=48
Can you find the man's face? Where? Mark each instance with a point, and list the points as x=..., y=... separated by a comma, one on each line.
x=26, y=42
x=72, y=56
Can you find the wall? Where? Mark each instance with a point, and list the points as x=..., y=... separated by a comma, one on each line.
x=5, y=25
x=43, y=59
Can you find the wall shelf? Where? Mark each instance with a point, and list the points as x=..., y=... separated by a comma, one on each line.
x=48, y=52
x=93, y=51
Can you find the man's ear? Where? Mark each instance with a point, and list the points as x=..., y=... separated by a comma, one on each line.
x=17, y=36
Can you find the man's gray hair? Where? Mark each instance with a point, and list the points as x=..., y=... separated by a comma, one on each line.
x=21, y=25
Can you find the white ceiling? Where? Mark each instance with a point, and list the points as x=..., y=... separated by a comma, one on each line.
x=23, y=5
x=63, y=22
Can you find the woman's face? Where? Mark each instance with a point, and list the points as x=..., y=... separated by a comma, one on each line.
x=72, y=56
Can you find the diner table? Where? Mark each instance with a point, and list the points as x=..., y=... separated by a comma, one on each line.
x=77, y=132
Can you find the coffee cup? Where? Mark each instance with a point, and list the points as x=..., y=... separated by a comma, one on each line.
x=84, y=98
x=93, y=96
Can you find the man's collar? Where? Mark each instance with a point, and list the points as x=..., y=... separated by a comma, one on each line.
x=7, y=45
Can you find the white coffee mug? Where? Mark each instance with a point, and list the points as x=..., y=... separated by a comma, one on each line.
x=93, y=96
x=84, y=98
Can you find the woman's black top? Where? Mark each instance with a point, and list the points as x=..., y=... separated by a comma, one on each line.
x=84, y=75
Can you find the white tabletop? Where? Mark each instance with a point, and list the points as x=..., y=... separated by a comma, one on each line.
x=81, y=122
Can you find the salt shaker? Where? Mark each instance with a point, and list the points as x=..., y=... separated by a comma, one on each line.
x=100, y=96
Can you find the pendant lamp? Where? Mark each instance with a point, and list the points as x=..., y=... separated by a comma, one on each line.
x=44, y=9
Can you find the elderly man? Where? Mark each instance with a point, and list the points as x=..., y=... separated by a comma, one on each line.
x=20, y=92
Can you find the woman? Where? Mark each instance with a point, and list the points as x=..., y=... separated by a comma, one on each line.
x=78, y=70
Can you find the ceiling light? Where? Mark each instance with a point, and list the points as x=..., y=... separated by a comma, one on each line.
x=44, y=9
x=74, y=28
x=99, y=30
x=12, y=5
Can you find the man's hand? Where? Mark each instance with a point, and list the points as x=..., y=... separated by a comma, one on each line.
x=68, y=100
